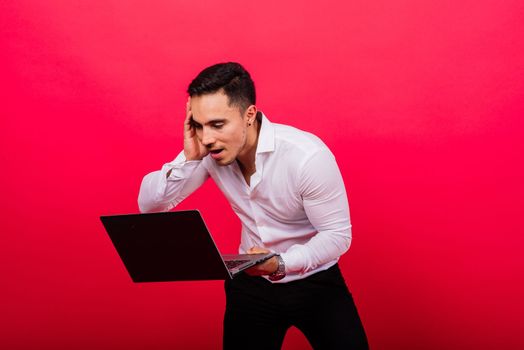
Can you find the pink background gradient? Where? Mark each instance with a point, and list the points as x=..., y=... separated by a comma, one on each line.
x=421, y=101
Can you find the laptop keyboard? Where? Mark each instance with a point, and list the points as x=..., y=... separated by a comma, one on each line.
x=234, y=263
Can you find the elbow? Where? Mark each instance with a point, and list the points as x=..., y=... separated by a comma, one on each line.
x=152, y=207
x=148, y=201
x=144, y=207
x=148, y=204
x=344, y=240
x=345, y=245
x=145, y=202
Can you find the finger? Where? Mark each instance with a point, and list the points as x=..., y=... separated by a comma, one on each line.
x=188, y=105
x=188, y=126
x=257, y=250
x=188, y=112
x=253, y=250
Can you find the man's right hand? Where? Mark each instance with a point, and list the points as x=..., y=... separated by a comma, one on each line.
x=193, y=148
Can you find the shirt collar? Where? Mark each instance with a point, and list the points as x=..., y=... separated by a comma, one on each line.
x=266, y=137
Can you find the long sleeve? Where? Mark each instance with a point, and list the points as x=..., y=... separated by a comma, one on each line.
x=325, y=202
x=160, y=192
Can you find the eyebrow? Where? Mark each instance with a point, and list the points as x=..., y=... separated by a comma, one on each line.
x=212, y=121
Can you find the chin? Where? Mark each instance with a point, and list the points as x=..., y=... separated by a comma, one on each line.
x=227, y=163
x=224, y=162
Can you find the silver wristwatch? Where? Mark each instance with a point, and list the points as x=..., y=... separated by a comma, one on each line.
x=280, y=272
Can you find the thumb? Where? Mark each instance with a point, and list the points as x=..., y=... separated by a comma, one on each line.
x=257, y=250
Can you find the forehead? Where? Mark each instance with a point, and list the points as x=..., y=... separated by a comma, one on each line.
x=211, y=107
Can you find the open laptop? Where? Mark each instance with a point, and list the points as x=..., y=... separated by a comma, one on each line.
x=172, y=246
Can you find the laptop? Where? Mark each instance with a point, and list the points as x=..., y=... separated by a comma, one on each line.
x=172, y=246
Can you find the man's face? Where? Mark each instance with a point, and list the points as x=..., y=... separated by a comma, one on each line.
x=219, y=127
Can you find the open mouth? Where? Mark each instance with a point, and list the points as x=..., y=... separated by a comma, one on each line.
x=215, y=153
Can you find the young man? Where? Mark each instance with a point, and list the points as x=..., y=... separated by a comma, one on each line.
x=286, y=188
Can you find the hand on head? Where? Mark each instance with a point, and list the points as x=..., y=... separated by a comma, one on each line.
x=193, y=148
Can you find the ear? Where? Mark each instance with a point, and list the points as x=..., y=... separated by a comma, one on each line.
x=251, y=113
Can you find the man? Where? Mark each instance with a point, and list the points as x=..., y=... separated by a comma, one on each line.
x=286, y=188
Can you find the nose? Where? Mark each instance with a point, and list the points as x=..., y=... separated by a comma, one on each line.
x=208, y=137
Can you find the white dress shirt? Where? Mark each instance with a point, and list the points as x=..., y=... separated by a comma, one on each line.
x=295, y=205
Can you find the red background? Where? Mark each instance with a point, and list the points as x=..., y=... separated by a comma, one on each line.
x=421, y=102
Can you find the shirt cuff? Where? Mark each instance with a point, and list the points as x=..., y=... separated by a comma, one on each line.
x=294, y=260
x=180, y=168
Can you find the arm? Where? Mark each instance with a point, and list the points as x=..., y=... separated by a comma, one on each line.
x=325, y=203
x=164, y=189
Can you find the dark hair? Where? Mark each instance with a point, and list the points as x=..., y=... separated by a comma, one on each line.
x=230, y=77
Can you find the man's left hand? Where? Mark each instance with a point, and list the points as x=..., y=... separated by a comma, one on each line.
x=267, y=267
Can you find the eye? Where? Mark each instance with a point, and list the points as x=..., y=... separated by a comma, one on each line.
x=218, y=125
x=196, y=125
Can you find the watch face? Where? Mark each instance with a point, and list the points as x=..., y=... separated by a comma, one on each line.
x=280, y=272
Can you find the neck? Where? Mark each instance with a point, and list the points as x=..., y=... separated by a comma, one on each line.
x=246, y=158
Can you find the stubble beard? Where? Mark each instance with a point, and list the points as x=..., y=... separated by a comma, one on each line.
x=241, y=148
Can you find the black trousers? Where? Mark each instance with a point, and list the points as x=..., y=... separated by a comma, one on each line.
x=258, y=312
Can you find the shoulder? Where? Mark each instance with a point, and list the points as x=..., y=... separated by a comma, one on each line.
x=299, y=144
x=289, y=136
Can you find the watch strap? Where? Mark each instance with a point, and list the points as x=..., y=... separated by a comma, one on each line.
x=280, y=272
